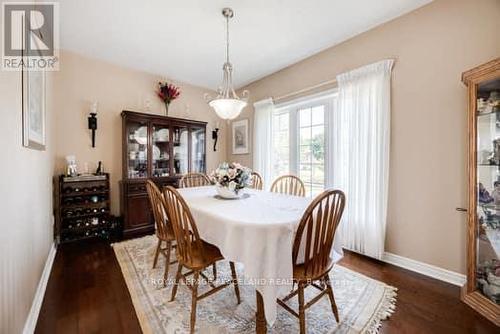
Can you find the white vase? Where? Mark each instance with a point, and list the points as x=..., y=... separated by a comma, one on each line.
x=225, y=192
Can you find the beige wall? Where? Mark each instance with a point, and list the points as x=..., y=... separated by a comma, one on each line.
x=432, y=47
x=82, y=80
x=25, y=204
x=26, y=175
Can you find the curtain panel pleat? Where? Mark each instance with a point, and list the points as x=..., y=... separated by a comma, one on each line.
x=359, y=151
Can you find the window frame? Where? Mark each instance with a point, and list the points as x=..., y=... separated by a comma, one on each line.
x=327, y=99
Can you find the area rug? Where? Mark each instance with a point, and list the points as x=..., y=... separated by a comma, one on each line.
x=362, y=302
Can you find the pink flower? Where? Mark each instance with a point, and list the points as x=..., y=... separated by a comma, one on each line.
x=231, y=172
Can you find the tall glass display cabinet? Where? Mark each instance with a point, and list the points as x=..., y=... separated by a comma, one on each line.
x=159, y=148
x=482, y=290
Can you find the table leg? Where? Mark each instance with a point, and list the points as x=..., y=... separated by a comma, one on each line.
x=260, y=318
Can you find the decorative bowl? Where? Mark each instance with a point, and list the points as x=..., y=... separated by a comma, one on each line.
x=225, y=192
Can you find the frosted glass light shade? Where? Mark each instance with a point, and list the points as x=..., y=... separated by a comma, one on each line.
x=227, y=108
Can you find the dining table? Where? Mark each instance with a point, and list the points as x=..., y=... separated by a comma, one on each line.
x=258, y=231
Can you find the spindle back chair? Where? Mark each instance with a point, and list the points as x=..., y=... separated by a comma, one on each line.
x=289, y=185
x=193, y=253
x=194, y=180
x=164, y=231
x=257, y=182
x=311, y=251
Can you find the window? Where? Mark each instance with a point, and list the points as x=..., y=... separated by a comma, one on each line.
x=299, y=141
x=312, y=148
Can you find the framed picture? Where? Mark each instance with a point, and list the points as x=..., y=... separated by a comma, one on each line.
x=240, y=137
x=33, y=96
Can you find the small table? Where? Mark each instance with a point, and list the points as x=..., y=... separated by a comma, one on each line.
x=257, y=231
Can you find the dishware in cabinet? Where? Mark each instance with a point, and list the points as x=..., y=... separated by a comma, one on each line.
x=160, y=148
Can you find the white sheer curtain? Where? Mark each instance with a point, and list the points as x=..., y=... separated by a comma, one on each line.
x=360, y=143
x=262, y=134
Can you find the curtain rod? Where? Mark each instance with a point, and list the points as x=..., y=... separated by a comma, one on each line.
x=305, y=90
x=310, y=88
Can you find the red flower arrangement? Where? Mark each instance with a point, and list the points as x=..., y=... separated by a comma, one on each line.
x=167, y=93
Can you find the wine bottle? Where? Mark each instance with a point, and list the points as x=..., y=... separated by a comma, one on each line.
x=98, y=171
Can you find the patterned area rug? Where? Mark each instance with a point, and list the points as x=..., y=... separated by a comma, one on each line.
x=362, y=301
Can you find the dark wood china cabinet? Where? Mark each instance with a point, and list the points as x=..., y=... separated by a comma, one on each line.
x=160, y=148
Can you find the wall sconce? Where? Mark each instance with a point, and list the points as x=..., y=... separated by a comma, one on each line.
x=93, y=121
x=215, y=135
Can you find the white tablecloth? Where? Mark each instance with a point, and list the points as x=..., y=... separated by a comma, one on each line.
x=257, y=231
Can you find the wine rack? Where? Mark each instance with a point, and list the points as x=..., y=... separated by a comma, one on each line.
x=82, y=208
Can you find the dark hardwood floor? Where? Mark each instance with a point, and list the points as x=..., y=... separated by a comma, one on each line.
x=86, y=293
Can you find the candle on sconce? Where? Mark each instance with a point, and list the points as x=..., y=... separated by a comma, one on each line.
x=93, y=108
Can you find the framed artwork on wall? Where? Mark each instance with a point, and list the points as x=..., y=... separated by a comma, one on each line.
x=240, y=137
x=33, y=97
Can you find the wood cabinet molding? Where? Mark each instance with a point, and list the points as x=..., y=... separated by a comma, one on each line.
x=135, y=209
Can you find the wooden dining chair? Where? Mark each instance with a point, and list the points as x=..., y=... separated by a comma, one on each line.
x=194, y=180
x=164, y=231
x=257, y=182
x=311, y=252
x=190, y=180
x=192, y=252
x=290, y=185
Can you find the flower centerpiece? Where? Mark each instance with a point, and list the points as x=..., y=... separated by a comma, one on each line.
x=231, y=179
x=167, y=93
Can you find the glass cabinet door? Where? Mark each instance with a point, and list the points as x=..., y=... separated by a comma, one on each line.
x=198, y=150
x=180, y=149
x=137, y=149
x=488, y=189
x=160, y=151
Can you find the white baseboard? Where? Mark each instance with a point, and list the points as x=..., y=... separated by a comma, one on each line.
x=30, y=324
x=425, y=269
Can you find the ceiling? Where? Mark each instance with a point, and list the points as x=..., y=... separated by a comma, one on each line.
x=184, y=40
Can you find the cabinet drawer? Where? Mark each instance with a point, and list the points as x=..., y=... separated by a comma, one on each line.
x=136, y=188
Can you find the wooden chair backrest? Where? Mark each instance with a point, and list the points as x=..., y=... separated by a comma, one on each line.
x=184, y=226
x=194, y=180
x=290, y=185
x=163, y=227
x=257, y=182
x=317, y=229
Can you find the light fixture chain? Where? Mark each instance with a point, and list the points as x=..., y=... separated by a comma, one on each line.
x=227, y=39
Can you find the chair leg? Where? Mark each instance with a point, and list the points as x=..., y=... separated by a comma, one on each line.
x=235, y=281
x=167, y=263
x=177, y=281
x=214, y=270
x=194, y=299
x=332, y=298
x=157, y=253
x=302, y=313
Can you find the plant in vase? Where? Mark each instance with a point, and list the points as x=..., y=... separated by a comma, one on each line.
x=167, y=93
x=231, y=179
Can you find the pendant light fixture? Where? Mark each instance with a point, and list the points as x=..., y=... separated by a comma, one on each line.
x=227, y=104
